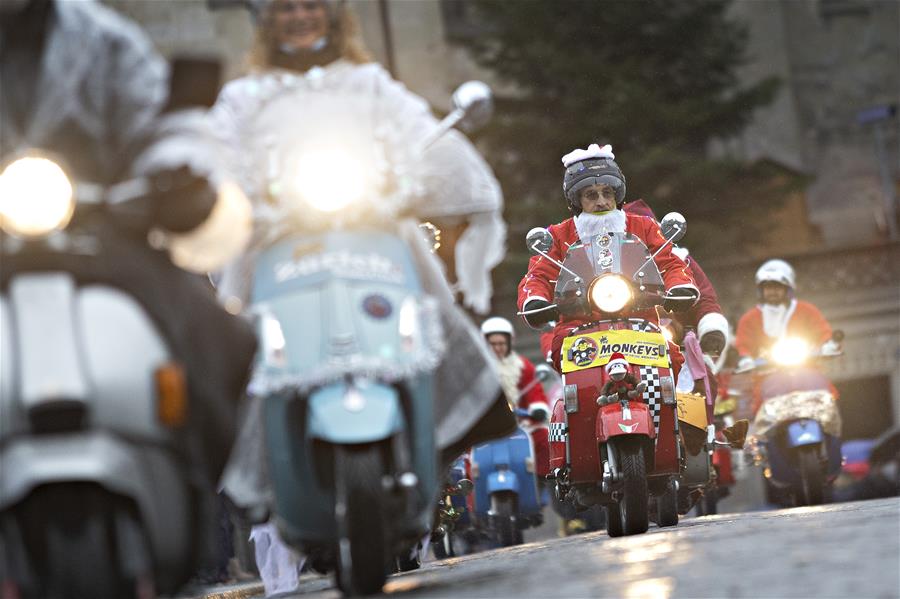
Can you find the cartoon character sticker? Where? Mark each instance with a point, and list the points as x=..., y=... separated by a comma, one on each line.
x=583, y=351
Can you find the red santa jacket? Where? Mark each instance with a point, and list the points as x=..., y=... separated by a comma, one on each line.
x=706, y=315
x=804, y=321
x=540, y=280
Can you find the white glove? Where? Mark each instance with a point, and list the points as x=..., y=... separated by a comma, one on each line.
x=831, y=348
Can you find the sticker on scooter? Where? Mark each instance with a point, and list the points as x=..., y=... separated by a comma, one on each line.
x=583, y=351
x=377, y=306
x=628, y=428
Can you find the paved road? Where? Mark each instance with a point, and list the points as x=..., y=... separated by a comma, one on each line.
x=844, y=550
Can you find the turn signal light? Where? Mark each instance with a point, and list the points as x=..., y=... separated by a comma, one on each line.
x=171, y=389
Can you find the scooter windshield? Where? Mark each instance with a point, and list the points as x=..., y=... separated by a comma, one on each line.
x=608, y=253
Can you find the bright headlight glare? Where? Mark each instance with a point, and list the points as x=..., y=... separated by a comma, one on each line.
x=668, y=334
x=35, y=197
x=610, y=293
x=408, y=320
x=790, y=351
x=329, y=181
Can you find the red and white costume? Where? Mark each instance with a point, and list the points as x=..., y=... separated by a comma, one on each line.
x=540, y=280
x=764, y=324
x=523, y=390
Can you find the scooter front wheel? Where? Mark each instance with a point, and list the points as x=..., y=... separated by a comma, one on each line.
x=361, y=553
x=812, y=484
x=633, y=505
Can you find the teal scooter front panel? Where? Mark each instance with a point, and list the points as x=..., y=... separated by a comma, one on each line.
x=364, y=413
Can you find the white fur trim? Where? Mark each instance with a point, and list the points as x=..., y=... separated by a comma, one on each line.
x=539, y=405
x=713, y=321
x=593, y=151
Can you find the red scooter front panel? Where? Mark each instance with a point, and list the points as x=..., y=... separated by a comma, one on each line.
x=615, y=421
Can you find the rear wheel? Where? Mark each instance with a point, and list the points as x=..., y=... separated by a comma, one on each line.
x=667, y=506
x=503, y=508
x=812, y=479
x=361, y=556
x=710, y=501
x=633, y=506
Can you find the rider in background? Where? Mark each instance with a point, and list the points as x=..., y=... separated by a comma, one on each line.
x=778, y=314
x=309, y=49
x=521, y=386
x=594, y=188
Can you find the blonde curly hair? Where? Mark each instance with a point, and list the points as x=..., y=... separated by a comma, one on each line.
x=344, y=33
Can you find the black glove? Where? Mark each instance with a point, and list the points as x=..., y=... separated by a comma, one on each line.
x=183, y=200
x=712, y=343
x=540, y=318
x=680, y=299
x=538, y=415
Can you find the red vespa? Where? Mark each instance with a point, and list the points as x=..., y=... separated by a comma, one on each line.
x=615, y=448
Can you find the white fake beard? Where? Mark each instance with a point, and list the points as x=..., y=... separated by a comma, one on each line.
x=590, y=225
x=510, y=372
x=775, y=318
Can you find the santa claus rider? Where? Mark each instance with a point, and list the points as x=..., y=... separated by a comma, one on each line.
x=522, y=387
x=778, y=314
x=594, y=188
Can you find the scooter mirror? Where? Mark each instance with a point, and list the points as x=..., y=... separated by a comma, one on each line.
x=476, y=101
x=673, y=226
x=539, y=240
x=464, y=486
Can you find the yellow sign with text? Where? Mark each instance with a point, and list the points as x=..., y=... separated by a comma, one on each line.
x=580, y=352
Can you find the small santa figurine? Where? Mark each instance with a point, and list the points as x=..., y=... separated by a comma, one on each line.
x=621, y=384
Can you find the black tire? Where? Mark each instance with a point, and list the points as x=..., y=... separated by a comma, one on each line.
x=614, y=521
x=444, y=547
x=633, y=505
x=667, y=507
x=710, y=502
x=503, y=506
x=408, y=564
x=72, y=537
x=358, y=474
x=812, y=479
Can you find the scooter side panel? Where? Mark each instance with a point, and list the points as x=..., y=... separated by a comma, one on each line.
x=366, y=413
x=12, y=417
x=583, y=450
x=149, y=475
x=122, y=350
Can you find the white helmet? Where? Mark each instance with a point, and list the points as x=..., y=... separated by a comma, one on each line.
x=497, y=324
x=776, y=271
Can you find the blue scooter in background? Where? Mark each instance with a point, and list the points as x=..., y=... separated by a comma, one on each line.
x=507, y=499
x=795, y=435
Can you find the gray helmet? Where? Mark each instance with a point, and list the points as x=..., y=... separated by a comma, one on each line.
x=592, y=171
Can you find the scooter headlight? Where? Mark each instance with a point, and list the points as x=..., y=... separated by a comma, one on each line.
x=329, y=181
x=790, y=351
x=610, y=293
x=36, y=197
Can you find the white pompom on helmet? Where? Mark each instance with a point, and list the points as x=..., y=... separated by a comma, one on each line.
x=776, y=271
x=497, y=324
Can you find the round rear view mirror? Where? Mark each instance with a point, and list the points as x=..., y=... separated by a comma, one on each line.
x=539, y=240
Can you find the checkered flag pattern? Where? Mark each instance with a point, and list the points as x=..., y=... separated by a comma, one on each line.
x=653, y=394
x=557, y=432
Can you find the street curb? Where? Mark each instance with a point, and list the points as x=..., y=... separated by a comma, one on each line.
x=255, y=589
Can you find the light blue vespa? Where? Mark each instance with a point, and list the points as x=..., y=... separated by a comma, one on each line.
x=345, y=369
